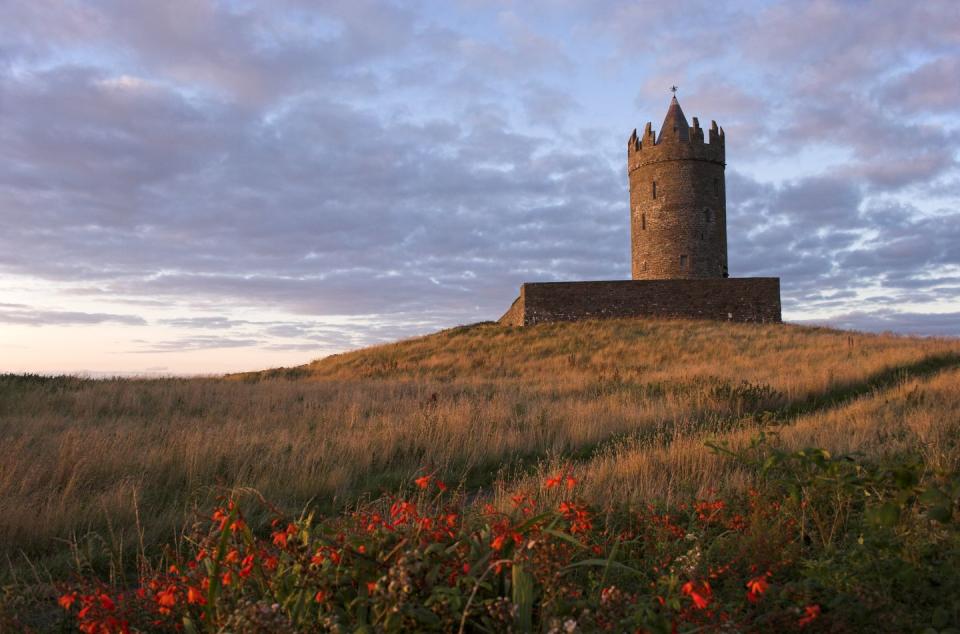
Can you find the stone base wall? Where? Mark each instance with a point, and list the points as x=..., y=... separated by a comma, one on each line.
x=746, y=299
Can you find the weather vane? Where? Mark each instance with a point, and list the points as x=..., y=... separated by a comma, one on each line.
x=673, y=89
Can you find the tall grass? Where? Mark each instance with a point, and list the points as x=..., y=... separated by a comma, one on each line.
x=631, y=401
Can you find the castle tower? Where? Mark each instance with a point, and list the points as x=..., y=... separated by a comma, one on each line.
x=678, y=209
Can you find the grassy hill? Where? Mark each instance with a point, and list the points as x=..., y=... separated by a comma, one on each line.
x=626, y=407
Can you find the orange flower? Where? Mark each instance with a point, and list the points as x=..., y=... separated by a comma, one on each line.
x=498, y=542
x=571, y=482
x=699, y=594
x=195, y=596
x=811, y=612
x=554, y=481
x=67, y=600
x=227, y=578
x=232, y=557
x=756, y=587
x=280, y=538
x=371, y=586
x=166, y=599
x=247, y=568
x=320, y=597
x=423, y=482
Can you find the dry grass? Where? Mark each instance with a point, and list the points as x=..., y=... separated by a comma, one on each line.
x=632, y=402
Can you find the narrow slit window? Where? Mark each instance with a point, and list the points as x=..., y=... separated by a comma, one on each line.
x=643, y=221
x=706, y=215
x=683, y=263
x=654, y=189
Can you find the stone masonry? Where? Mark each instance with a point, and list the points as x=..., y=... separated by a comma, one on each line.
x=755, y=299
x=678, y=209
x=678, y=230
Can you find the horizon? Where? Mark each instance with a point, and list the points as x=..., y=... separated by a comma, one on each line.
x=196, y=188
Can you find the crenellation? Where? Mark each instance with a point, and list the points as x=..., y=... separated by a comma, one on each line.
x=678, y=227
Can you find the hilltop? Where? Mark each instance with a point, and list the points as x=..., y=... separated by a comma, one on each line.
x=626, y=408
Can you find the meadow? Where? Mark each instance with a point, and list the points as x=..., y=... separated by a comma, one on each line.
x=100, y=477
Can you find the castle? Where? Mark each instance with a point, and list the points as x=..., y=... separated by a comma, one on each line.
x=678, y=235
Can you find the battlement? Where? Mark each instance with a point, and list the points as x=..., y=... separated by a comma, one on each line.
x=675, y=144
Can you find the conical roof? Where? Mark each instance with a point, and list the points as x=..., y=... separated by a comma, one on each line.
x=675, y=123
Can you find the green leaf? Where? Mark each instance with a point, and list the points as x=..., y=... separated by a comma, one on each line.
x=887, y=514
x=564, y=537
x=615, y=565
x=942, y=514
x=523, y=591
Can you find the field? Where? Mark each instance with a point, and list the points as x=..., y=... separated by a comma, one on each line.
x=98, y=477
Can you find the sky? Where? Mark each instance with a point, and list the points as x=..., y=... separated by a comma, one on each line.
x=194, y=187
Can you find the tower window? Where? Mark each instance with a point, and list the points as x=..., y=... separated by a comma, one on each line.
x=706, y=215
x=683, y=263
x=654, y=190
x=643, y=221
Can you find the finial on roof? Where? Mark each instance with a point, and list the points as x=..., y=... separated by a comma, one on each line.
x=673, y=89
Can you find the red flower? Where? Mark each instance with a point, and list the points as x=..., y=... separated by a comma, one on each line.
x=554, y=481
x=107, y=603
x=195, y=596
x=67, y=600
x=498, y=542
x=699, y=594
x=811, y=612
x=371, y=586
x=571, y=482
x=320, y=597
x=227, y=578
x=166, y=599
x=423, y=482
x=756, y=587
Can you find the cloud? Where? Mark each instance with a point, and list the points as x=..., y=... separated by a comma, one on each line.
x=30, y=316
x=401, y=168
x=941, y=324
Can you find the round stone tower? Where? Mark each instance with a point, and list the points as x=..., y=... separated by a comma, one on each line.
x=678, y=209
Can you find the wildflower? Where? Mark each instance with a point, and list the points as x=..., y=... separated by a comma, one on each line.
x=221, y=517
x=247, y=568
x=371, y=586
x=232, y=557
x=423, y=482
x=498, y=542
x=571, y=482
x=107, y=603
x=554, y=481
x=756, y=587
x=280, y=539
x=227, y=578
x=811, y=612
x=67, y=600
x=320, y=596
x=195, y=596
x=441, y=485
x=166, y=599
x=699, y=594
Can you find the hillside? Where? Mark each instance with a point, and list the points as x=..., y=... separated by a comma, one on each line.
x=625, y=407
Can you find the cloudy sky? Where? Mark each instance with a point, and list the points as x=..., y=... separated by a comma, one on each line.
x=191, y=186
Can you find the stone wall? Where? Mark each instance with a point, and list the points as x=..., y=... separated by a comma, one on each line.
x=750, y=299
x=678, y=209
